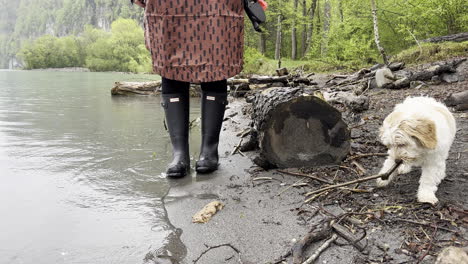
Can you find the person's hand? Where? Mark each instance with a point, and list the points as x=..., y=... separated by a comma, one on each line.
x=140, y=3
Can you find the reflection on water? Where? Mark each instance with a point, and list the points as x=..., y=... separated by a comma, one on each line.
x=80, y=171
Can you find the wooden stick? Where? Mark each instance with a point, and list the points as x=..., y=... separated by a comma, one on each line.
x=383, y=176
x=305, y=175
x=289, y=187
x=351, y=238
x=237, y=147
x=360, y=167
x=316, y=234
x=319, y=250
x=315, y=196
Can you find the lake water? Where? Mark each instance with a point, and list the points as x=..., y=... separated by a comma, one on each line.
x=80, y=171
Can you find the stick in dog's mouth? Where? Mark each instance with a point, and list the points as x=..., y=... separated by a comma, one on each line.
x=386, y=175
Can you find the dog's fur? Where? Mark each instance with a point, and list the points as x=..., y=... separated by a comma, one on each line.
x=420, y=132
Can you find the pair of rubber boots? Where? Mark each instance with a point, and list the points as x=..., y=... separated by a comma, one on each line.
x=176, y=108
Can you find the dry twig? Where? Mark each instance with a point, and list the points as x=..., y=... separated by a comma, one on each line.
x=383, y=176
x=237, y=147
x=289, y=187
x=218, y=246
x=306, y=175
x=319, y=250
x=424, y=223
x=431, y=243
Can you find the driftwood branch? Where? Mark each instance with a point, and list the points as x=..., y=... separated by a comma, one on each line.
x=348, y=236
x=317, y=234
x=319, y=250
x=384, y=176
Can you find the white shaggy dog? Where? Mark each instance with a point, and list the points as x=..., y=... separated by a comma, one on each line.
x=419, y=132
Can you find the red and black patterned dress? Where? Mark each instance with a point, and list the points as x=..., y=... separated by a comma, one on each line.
x=195, y=40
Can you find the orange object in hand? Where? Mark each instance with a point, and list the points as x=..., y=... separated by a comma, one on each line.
x=263, y=4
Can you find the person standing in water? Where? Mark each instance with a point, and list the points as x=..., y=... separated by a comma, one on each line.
x=194, y=41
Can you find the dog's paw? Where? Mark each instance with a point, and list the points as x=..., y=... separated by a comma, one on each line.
x=427, y=197
x=404, y=168
x=381, y=183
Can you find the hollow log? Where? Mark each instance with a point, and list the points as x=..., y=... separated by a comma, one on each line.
x=296, y=130
x=136, y=88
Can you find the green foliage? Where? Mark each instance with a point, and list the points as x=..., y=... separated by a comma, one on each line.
x=253, y=60
x=123, y=49
x=346, y=43
x=51, y=52
x=430, y=52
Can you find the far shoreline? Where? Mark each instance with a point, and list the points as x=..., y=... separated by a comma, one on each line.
x=73, y=69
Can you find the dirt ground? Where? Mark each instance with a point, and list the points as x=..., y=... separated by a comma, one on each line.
x=265, y=213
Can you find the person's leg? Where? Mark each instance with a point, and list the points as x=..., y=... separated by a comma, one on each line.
x=213, y=104
x=175, y=101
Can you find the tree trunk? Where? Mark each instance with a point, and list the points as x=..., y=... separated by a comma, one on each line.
x=326, y=27
x=310, y=27
x=340, y=10
x=304, y=28
x=293, y=33
x=296, y=130
x=376, y=33
x=263, y=43
x=278, y=39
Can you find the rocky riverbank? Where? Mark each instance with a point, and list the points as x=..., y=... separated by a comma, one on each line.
x=267, y=212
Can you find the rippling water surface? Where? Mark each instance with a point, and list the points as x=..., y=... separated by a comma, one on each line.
x=80, y=171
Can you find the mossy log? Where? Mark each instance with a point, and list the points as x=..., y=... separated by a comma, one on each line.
x=296, y=130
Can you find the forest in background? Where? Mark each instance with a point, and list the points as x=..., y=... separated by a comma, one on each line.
x=316, y=34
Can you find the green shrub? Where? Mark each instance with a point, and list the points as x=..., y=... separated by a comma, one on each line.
x=123, y=49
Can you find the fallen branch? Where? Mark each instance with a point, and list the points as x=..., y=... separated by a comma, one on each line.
x=319, y=250
x=218, y=246
x=306, y=175
x=314, y=235
x=351, y=238
x=384, y=176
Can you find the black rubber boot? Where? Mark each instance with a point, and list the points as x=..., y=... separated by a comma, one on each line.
x=176, y=108
x=213, y=106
